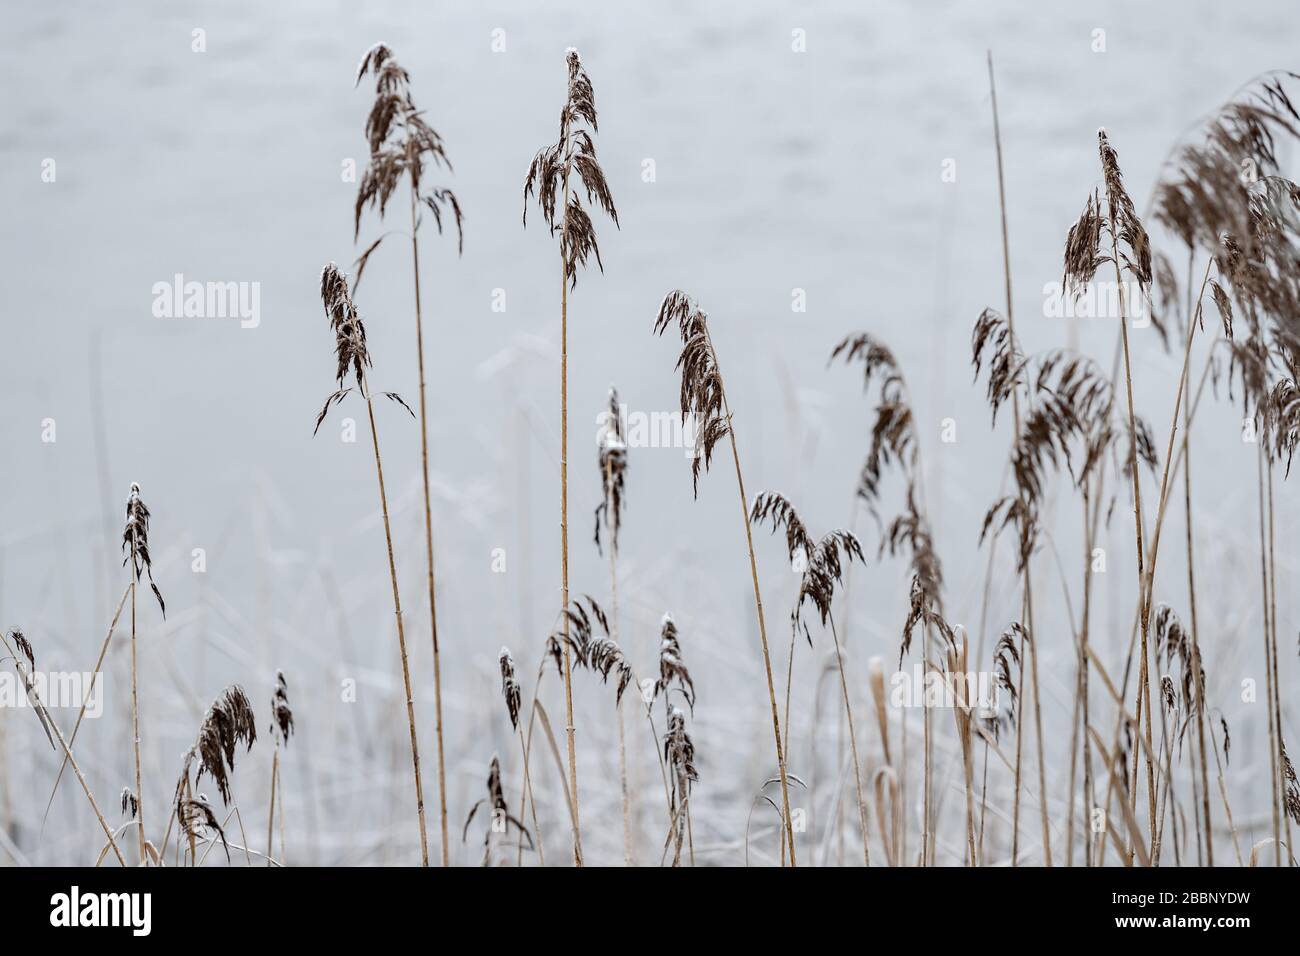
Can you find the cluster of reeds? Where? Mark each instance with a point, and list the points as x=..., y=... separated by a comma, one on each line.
x=1077, y=437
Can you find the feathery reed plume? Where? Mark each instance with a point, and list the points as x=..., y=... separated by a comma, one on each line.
x=704, y=398
x=281, y=729
x=576, y=632
x=1007, y=660
x=228, y=722
x=550, y=173
x=992, y=339
x=21, y=648
x=1221, y=192
x=822, y=570
x=606, y=657
x=679, y=753
x=403, y=144
x=554, y=166
x=281, y=713
x=1204, y=189
x=512, y=694
x=197, y=818
x=893, y=435
x=501, y=816
x=135, y=542
x=510, y=687
x=1290, y=784
x=24, y=646
x=135, y=545
x=671, y=667
x=354, y=358
x=1109, y=230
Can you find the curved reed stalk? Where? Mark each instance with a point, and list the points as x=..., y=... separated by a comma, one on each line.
x=704, y=398
x=353, y=358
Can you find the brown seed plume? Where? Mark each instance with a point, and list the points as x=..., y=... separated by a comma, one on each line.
x=402, y=145
x=510, y=689
x=584, y=616
x=554, y=169
x=821, y=564
x=353, y=357
x=496, y=802
x=197, y=817
x=135, y=542
x=701, y=395
x=281, y=713
x=229, y=721
x=671, y=666
x=24, y=647
x=893, y=440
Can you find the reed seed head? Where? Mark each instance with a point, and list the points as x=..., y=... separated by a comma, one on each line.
x=510, y=687
x=281, y=713
x=701, y=396
x=557, y=172
x=229, y=721
x=135, y=542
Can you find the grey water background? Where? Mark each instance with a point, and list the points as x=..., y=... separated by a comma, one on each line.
x=775, y=171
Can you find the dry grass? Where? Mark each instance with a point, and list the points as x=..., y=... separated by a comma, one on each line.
x=1143, y=774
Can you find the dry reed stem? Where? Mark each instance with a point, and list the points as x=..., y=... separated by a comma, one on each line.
x=49, y=723
x=1015, y=406
x=99, y=663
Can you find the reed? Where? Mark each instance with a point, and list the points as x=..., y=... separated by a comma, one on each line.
x=821, y=565
x=404, y=146
x=353, y=359
x=135, y=544
x=703, y=398
x=555, y=170
x=281, y=731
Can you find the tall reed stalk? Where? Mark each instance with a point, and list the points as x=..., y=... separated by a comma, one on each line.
x=403, y=144
x=353, y=359
x=135, y=542
x=552, y=169
x=1032, y=645
x=704, y=399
